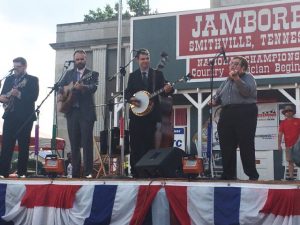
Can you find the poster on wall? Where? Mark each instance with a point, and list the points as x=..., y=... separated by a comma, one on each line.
x=180, y=138
x=267, y=115
x=266, y=138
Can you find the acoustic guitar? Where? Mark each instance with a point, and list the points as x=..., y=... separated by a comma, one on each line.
x=8, y=106
x=65, y=99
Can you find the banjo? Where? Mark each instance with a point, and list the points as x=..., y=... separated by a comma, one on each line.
x=144, y=98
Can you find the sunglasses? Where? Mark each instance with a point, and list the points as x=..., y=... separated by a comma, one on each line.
x=289, y=110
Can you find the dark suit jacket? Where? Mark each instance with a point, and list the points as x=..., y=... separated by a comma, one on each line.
x=135, y=84
x=85, y=99
x=23, y=107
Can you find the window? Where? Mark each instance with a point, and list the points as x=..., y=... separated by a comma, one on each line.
x=180, y=117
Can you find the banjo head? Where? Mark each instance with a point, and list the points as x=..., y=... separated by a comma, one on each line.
x=143, y=98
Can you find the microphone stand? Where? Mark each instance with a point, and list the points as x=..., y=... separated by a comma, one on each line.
x=55, y=89
x=110, y=104
x=209, y=151
x=122, y=119
x=37, y=111
x=10, y=73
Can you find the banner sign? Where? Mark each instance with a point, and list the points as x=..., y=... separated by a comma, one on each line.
x=180, y=138
x=267, y=35
x=252, y=28
x=264, y=65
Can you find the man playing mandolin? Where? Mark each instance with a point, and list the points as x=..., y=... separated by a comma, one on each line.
x=79, y=108
x=142, y=127
x=19, y=93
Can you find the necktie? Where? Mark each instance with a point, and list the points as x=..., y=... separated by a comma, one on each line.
x=145, y=79
x=78, y=75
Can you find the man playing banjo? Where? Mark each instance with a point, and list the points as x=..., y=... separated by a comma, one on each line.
x=142, y=125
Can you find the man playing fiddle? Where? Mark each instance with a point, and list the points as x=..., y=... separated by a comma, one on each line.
x=237, y=124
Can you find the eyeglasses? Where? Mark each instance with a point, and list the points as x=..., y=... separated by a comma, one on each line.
x=289, y=110
x=18, y=66
x=234, y=63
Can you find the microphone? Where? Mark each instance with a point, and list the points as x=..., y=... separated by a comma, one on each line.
x=68, y=62
x=224, y=54
x=163, y=54
x=163, y=60
x=10, y=71
x=137, y=52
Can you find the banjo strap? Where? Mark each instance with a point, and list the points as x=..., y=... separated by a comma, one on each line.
x=153, y=80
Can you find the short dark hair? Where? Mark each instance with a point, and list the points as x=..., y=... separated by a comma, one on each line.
x=81, y=51
x=20, y=60
x=142, y=51
x=243, y=62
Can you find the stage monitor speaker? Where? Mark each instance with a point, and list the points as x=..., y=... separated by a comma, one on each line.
x=164, y=162
x=115, y=141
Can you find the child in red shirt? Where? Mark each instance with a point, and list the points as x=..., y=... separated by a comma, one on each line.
x=290, y=129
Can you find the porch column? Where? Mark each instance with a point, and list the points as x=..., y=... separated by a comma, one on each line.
x=99, y=65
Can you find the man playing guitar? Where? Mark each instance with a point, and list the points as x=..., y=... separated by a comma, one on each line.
x=81, y=114
x=142, y=128
x=19, y=93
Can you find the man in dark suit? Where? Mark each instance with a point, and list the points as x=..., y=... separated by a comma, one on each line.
x=82, y=113
x=142, y=128
x=19, y=93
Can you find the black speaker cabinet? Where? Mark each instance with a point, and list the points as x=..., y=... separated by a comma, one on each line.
x=115, y=141
x=164, y=162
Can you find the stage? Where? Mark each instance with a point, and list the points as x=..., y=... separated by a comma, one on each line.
x=127, y=201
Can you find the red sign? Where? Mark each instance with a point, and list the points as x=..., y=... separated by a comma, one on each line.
x=264, y=65
x=250, y=30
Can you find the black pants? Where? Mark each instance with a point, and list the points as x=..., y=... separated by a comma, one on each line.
x=236, y=128
x=11, y=133
x=81, y=135
x=141, y=140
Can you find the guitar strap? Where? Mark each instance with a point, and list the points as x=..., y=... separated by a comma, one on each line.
x=86, y=74
x=18, y=80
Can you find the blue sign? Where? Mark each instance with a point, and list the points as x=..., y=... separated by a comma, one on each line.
x=179, y=137
x=178, y=130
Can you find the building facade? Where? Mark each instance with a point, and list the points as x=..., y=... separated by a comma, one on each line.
x=99, y=40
